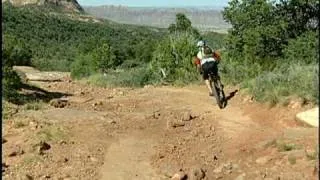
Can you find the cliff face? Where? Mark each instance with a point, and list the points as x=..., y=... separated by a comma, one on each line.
x=69, y=5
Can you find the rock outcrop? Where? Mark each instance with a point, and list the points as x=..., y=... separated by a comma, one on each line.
x=69, y=5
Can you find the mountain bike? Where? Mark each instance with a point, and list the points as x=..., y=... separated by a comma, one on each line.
x=217, y=88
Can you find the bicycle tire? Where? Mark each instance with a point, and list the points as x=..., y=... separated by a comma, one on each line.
x=217, y=96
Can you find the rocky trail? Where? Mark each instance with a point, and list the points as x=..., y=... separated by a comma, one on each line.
x=77, y=131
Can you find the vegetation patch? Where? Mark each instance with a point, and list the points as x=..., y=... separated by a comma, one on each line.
x=35, y=106
x=51, y=133
x=19, y=124
x=292, y=159
x=272, y=53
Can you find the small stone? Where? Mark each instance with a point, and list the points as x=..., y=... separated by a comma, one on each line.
x=240, y=177
x=47, y=176
x=93, y=159
x=211, y=128
x=179, y=176
x=197, y=174
x=235, y=166
x=263, y=160
x=33, y=125
x=28, y=177
x=17, y=151
x=4, y=167
x=174, y=124
x=63, y=142
x=156, y=115
x=228, y=166
x=42, y=146
x=148, y=86
x=218, y=169
x=59, y=103
x=4, y=140
x=112, y=122
x=110, y=97
x=186, y=116
x=294, y=104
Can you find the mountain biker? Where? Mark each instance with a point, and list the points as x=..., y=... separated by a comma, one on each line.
x=207, y=61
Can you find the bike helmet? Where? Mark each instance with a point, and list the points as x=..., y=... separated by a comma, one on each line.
x=201, y=43
x=207, y=51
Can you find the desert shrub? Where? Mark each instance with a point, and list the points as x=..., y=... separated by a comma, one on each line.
x=135, y=77
x=172, y=58
x=103, y=58
x=14, y=52
x=272, y=48
x=10, y=83
x=83, y=66
x=294, y=80
x=303, y=49
x=63, y=65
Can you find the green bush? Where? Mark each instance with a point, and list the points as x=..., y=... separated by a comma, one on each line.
x=293, y=80
x=173, y=59
x=83, y=66
x=103, y=58
x=270, y=52
x=143, y=50
x=63, y=65
x=15, y=52
x=303, y=49
x=10, y=83
x=214, y=40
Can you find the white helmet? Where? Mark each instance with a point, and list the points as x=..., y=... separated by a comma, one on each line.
x=200, y=43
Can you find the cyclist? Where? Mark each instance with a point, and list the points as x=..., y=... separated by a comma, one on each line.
x=207, y=61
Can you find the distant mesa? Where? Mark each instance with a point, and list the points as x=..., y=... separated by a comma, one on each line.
x=69, y=5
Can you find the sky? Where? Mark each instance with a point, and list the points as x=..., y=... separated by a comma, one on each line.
x=156, y=3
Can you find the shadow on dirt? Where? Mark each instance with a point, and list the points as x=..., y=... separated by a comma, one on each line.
x=31, y=93
x=230, y=96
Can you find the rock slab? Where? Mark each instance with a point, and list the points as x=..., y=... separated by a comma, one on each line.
x=310, y=117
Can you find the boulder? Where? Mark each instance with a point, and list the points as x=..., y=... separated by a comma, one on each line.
x=310, y=117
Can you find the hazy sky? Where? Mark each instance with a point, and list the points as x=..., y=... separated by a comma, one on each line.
x=162, y=3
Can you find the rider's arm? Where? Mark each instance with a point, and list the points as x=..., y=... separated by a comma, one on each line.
x=216, y=57
x=197, y=62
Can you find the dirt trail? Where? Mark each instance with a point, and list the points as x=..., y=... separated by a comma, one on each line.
x=129, y=158
x=153, y=132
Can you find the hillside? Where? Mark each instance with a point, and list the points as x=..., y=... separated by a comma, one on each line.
x=205, y=19
x=66, y=5
x=55, y=40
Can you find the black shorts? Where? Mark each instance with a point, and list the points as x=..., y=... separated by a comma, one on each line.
x=209, y=67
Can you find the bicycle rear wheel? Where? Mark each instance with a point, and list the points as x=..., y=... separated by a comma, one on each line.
x=216, y=93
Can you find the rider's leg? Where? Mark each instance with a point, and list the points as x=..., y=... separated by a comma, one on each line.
x=208, y=83
x=206, y=68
